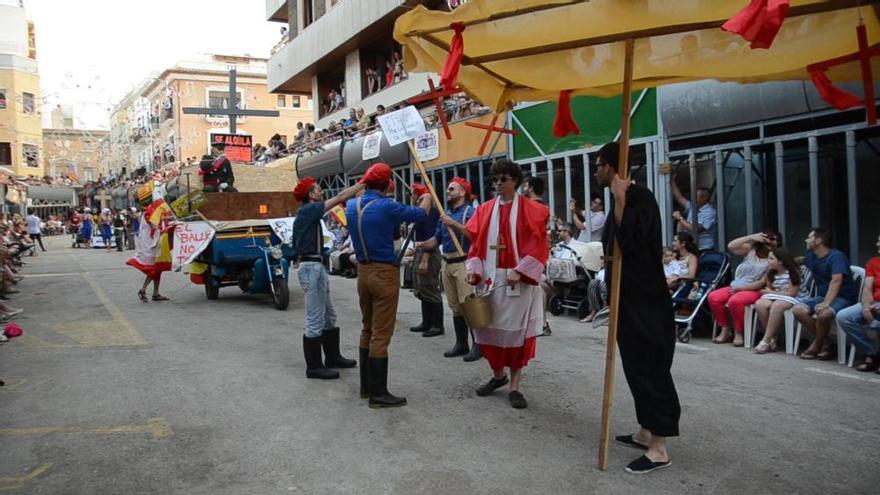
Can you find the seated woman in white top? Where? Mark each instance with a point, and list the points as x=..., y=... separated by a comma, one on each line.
x=686, y=255
x=783, y=284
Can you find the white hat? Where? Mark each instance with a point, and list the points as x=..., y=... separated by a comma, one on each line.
x=88, y=210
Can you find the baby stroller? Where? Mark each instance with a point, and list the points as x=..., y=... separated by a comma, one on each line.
x=568, y=277
x=690, y=298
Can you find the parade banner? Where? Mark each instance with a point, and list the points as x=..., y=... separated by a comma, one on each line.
x=283, y=228
x=428, y=145
x=402, y=125
x=372, y=145
x=185, y=205
x=238, y=147
x=190, y=239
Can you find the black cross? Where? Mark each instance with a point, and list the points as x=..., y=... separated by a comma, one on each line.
x=233, y=112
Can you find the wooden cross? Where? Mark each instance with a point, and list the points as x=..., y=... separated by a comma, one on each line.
x=864, y=57
x=232, y=112
x=498, y=247
x=489, y=130
x=437, y=96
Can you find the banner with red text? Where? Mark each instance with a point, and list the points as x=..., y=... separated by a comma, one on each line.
x=190, y=239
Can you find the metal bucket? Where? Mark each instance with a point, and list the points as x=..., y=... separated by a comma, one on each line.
x=476, y=309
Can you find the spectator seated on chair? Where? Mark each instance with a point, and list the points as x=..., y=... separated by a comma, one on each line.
x=671, y=266
x=782, y=286
x=835, y=291
x=861, y=322
x=686, y=255
x=746, y=286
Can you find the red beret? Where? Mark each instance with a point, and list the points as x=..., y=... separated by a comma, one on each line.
x=419, y=189
x=301, y=191
x=391, y=187
x=464, y=184
x=377, y=175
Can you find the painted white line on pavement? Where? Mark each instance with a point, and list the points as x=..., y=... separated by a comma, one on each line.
x=690, y=346
x=44, y=275
x=844, y=375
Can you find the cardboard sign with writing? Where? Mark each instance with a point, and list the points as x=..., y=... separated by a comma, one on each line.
x=190, y=239
x=283, y=228
x=372, y=145
x=187, y=204
x=428, y=145
x=402, y=125
x=239, y=147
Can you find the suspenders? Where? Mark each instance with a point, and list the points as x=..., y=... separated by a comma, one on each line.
x=360, y=213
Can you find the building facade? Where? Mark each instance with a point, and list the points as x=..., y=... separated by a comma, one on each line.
x=83, y=155
x=20, y=98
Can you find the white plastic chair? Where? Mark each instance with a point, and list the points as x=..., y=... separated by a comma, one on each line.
x=751, y=320
x=792, y=325
x=859, y=277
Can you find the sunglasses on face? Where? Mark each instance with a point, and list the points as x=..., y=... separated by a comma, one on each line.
x=500, y=180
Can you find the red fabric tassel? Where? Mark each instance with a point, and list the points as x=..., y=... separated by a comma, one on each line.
x=759, y=22
x=564, y=124
x=837, y=97
x=449, y=76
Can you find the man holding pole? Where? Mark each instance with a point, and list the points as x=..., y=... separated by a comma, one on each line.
x=374, y=220
x=426, y=271
x=506, y=260
x=646, y=325
x=454, y=276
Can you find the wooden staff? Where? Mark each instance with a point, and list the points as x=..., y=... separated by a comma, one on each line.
x=616, y=265
x=437, y=203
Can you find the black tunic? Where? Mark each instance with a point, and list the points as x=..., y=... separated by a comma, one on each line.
x=646, y=325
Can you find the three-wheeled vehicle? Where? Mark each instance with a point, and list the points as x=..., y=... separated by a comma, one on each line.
x=247, y=254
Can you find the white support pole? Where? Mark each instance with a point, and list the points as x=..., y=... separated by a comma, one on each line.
x=750, y=206
x=568, y=188
x=720, y=200
x=852, y=197
x=813, y=150
x=551, y=188
x=780, y=188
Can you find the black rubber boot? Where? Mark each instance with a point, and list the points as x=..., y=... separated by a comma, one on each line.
x=365, y=368
x=332, y=357
x=475, y=353
x=436, y=312
x=379, y=395
x=314, y=367
x=461, y=338
x=426, y=319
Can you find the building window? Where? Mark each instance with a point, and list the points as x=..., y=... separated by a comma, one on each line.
x=2, y=99
x=282, y=101
x=68, y=122
x=220, y=99
x=27, y=100
x=90, y=174
x=295, y=101
x=30, y=155
x=5, y=154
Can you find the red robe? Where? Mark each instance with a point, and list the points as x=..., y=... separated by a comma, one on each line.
x=510, y=340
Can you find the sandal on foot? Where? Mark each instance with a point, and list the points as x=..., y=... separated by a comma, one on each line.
x=808, y=355
x=726, y=340
x=494, y=383
x=643, y=465
x=630, y=441
x=159, y=297
x=142, y=295
x=517, y=400
x=866, y=366
x=825, y=355
x=765, y=347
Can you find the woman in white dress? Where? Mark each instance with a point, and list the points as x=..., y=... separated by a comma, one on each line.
x=783, y=285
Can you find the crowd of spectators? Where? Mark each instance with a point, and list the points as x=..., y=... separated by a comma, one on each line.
x=15, y=243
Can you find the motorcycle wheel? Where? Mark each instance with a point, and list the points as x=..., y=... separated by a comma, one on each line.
x=212, y=291
x=280, y=293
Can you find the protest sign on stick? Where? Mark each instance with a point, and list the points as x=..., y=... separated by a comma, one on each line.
x=190, y=239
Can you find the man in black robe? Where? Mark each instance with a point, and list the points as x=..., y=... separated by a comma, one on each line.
x=646, y=324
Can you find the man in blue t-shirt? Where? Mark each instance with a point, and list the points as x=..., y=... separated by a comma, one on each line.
x=308, y=242
x=426, y=271
x=835, y=290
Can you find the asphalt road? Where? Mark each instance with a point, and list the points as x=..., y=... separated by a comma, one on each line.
x=105, y=394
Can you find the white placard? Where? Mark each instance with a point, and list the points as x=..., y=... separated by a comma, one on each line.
x=402, y=125
x=283, y=228
x=372, y=144
x=428, y=145
x=190, y=239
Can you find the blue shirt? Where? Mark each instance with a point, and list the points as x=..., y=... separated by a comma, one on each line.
x=381, y=218
x=307, y=235
x=461, y=215
x=425, y=230
x=707, y=217
x=835, y=262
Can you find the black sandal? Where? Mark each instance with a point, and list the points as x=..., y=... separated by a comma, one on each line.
x=517, y=400
x=160, y=297
x=643, y=465
x=630, y=441
x=494, y=383
x=142, y=295
x=865, y=366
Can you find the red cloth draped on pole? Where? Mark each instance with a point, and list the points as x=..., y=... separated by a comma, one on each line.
x=759, y=21
x=449, y=76
x=835, y=96
x=563, y=123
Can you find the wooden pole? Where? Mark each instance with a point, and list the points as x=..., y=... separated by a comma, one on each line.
x=617, y=265
x=427, y=180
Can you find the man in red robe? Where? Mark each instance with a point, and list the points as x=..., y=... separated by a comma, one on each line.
x=508, y=254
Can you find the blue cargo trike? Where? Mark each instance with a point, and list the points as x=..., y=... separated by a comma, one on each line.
x=247, y=254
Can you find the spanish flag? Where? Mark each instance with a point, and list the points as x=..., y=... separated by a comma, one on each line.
x=338, y=213
x=156, y=211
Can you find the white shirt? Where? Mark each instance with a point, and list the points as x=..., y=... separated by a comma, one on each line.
x=597, y=223
x=708, y=219
x=33, y=224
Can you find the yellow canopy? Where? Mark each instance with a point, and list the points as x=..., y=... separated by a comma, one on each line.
x=529, y=50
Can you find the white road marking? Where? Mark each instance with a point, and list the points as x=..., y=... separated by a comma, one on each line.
x=690, y=346
x=845, y=375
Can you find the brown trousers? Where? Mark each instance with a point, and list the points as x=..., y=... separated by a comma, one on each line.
x=378, y=287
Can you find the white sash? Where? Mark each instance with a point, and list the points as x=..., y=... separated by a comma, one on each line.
x=489, y=267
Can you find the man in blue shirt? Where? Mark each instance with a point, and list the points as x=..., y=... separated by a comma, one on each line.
x=835, y=291
x=454, y=273
x=426, y=271
x=308, y=241
x=706, y=226
x=373, y=221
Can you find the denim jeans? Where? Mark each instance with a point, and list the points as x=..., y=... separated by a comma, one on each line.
x=863, y=334
x=315, y=283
